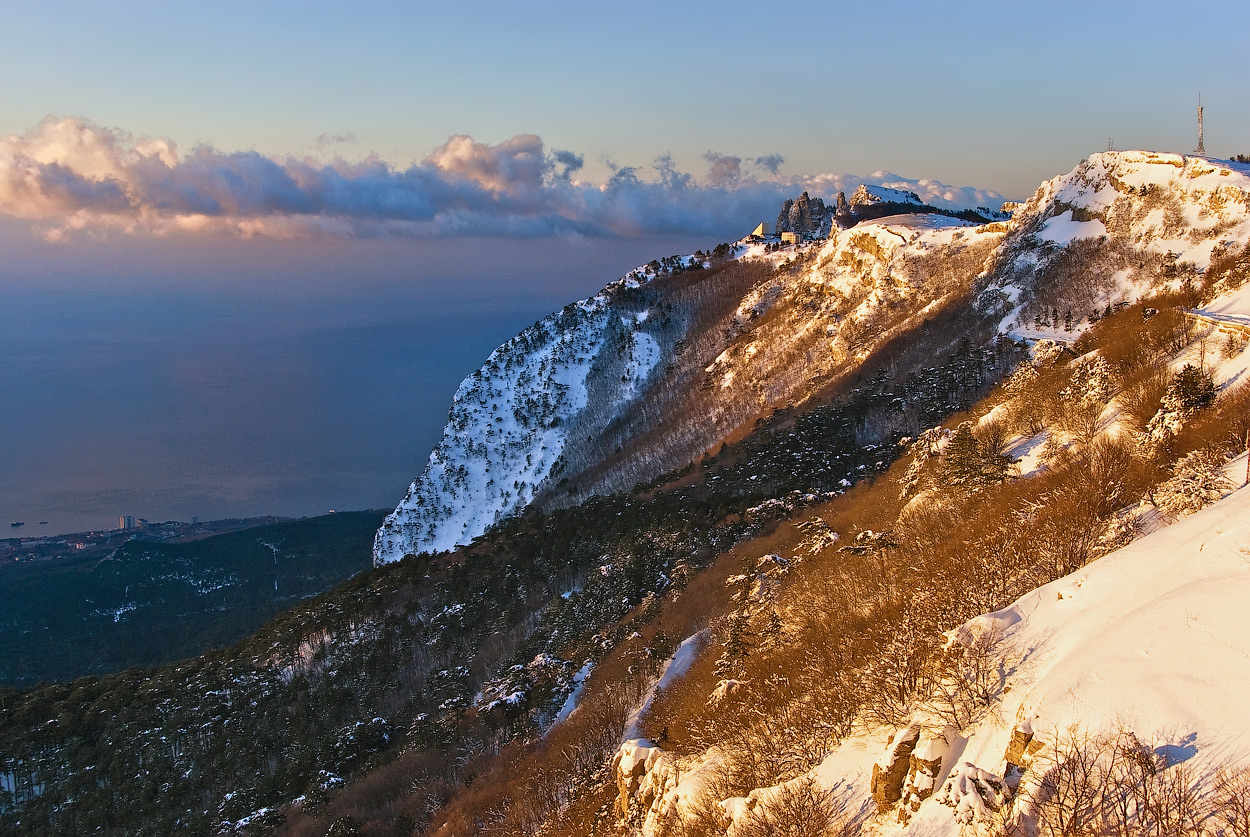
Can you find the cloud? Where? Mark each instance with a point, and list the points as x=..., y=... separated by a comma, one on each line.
x=514, y=164
x=723, y=170
x=67, y=175
x=326, y=142
x=770, y=163
x=568, y=164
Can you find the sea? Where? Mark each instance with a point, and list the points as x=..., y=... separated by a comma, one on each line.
x=185, y=377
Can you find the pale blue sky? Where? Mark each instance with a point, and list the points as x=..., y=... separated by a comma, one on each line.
x=993, y=95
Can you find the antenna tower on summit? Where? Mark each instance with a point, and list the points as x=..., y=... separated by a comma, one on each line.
x=1200, y=149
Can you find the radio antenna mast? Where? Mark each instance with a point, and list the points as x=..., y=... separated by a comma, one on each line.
x=1200, y=149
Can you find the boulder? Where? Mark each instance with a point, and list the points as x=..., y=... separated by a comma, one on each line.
x=923, y=770
x=889, y=771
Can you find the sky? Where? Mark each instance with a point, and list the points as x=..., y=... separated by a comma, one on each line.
x=486, y=104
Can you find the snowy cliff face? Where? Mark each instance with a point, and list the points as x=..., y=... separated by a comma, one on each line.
x=1120, y=225
x=510, y=420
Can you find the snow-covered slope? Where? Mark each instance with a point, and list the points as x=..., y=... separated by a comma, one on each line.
x=510, y=420
x=1149, y=641
x=648, y=376
x=1120, y=225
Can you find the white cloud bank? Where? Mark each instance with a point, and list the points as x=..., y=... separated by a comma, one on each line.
x=66, y=175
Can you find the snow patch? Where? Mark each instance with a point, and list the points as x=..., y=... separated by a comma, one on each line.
x=676, y=667
x=1062, y=229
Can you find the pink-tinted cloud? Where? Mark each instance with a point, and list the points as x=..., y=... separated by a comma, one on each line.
x=66, y=175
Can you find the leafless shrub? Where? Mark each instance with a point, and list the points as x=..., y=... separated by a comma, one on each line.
x=1232, y=801
x=799, y=809
x=1173, y=805
x=1233, y=345
x=967, y=678
x=1141, y=400
x=993, y=437
x=698, y=817
x=1234, y=412
x=898, y=675
x=1067, y=523
x=1072, y=779
x=777, y=743
x=1113, y=784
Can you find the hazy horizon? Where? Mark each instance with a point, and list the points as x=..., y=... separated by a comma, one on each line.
x=234, y=378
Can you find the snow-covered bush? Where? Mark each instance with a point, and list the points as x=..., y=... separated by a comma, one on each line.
x=1083, y=399
x=1191, y=390
x=1027, y=407
x=1197, y=480
x=978, y=796
x=924, y=450
x=969, y=673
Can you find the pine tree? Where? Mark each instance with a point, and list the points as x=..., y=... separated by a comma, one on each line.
x=737, y=647
x=1192, y=389
x=961, y=465
x=771, y=633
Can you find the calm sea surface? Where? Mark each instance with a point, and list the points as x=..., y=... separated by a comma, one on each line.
x=229, y=378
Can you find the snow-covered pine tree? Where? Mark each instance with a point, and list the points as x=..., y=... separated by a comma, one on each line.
x=961, y=461
x=1191, y=389
x=1197, y=480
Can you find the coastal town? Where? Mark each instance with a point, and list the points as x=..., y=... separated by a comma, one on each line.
x=103, y=542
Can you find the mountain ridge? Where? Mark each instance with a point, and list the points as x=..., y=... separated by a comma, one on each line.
x=809, y=313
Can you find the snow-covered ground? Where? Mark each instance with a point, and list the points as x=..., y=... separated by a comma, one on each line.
x=1061, y=229
x=1233, y=307
x=1150, y=639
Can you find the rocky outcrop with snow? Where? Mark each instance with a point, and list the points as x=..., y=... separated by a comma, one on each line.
x=1119, y=226
x=866, y=195
x=806, y=215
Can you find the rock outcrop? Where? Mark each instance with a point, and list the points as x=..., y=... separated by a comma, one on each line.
x=806, y=215
x=924, y=768
x=889, y=771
